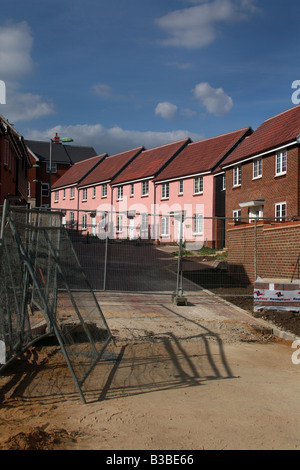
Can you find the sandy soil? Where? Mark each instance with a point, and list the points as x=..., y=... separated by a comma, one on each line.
x=167, y=384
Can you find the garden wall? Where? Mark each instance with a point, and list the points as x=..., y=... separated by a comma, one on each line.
x=267, y=250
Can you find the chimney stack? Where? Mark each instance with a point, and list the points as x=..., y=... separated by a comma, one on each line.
x=56, y=139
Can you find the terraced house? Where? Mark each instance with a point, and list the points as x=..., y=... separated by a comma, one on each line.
x=262, y=173
x=14, y=165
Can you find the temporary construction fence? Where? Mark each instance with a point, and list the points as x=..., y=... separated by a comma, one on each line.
x=172, y=253
x=41, y=293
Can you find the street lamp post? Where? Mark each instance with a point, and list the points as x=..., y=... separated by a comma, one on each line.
x=57, y=140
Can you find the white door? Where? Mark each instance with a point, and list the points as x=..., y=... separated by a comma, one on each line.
x=131, y=229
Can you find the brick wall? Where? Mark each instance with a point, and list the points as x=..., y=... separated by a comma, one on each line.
x=273, y=189
x=277, y=249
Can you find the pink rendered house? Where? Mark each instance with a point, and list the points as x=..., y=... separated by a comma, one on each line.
x=65, y=195
x=190, y=185
x=95, y=192
x=133, y=192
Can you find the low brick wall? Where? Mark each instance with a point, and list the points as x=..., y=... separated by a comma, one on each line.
x=270, y=250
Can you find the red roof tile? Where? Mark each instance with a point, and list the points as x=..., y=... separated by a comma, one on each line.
x=78, y=171
x=110, y=167
x=150, y=162
x=274, y=132
x=202, y=156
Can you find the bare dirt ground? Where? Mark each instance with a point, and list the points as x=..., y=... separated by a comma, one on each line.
x=202, y=376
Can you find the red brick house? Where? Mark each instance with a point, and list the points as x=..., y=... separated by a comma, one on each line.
x=14, y=165
x=262, y=173
x=63, y=157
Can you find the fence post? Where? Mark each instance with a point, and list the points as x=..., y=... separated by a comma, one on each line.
x=255, y=249
x=178, y=296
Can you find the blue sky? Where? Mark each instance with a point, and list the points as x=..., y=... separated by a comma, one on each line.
x=117, y=74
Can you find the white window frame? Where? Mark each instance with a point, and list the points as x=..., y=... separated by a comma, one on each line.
x=165, y=191
x=132, y=190
x=72, y=192
x=281, y=216
x=180, y=188
x=72, y=219
x=144, y=222
x=165, y=226
x=198, y=224
x=64, y=194
x=56, y=196
x=237, y=214
x=104, y=190
x=224, y=182
x=83, y=222
x=145, y=188
x=119, y=224
x=237, y=176
x=94, y=192
x=257, y=168
x=198, y=185
x=120, y=193
x=84, y=194
x=281, y=163
x=45, y=189
x=53, y=168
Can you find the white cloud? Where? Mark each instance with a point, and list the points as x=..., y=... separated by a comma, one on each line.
x=112, y=140
x=15, y=64
x=103, y=90
x=25, y=106
x=15, y=51
x=196, y=26
x=215, y=100
x=166, y=110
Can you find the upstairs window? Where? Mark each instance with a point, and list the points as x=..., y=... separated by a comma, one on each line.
x=281, y=160
x=84, y=194
x=257, y=168
x=237, y=176
x=120, y=193
x=165, y=191
x=72, y=192
x=104, y=190
x=132, y=190
x=145, y=188
x=53, y=168
x=198, y=185
x=56, y=196
x=180, y=190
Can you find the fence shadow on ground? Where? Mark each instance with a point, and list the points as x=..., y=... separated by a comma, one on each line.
x=167, y=362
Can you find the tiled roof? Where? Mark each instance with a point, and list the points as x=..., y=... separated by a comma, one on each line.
x=150, y=162
x=78, y=171
x=110, y=167
x=61, y=153
x=202, y=156
x=274, y=132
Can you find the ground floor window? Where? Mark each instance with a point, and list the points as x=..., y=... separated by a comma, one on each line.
x=198, y=223
x=237, y=215
x=119, y=223
x=280, y=211
x=165, y=226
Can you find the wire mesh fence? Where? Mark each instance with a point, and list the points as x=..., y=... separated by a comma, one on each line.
x=138, y=252
x=41, y=292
